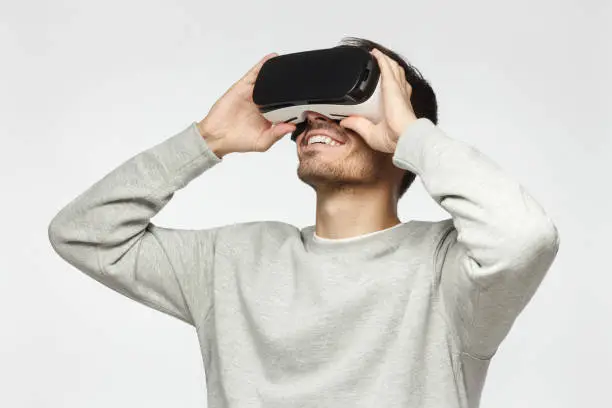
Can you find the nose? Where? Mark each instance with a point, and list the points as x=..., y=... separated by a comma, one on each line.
x=312, y=116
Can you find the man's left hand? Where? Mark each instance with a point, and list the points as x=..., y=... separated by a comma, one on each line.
x=397, y=109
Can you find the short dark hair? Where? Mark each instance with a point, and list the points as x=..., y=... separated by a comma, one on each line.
x=423, y=98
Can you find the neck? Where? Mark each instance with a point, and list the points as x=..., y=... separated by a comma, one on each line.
x=352, y=212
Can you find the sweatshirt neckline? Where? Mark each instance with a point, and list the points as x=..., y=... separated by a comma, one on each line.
x=364, y=246
x=334, y=241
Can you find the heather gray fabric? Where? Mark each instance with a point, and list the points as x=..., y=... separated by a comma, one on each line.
x=405, y=317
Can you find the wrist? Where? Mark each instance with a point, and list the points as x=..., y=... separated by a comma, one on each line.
x=214, y=143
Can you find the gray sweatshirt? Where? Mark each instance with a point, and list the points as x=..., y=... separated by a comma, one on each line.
x=409, y=316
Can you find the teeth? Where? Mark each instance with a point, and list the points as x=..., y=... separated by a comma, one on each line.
x=323, y=139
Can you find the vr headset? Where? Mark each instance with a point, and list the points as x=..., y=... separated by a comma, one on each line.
x=335, y=82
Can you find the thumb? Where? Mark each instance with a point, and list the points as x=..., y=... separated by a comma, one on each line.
x=360, y=125
x=276, y=131
x=252, y=74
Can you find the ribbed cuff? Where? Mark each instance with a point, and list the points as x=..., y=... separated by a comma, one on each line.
x=413, y=144
x=185, y=155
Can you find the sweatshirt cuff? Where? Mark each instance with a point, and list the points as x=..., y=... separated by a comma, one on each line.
x=184, y=156
x=413, y=143
x=204, y=147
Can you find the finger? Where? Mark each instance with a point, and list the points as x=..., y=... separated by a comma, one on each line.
x=278, y=130
x=271, y=136
x=404, y=80
x=251, y=75
x=397, y=70
x=402, y=74
x=395, y=67
x=390, y=63
x=388, y=76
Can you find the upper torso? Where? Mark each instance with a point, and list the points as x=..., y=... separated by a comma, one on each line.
x=293, y=327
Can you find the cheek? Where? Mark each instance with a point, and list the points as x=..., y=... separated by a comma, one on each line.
x=360, y=144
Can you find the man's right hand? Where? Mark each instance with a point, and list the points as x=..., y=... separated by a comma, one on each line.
x=234, y=123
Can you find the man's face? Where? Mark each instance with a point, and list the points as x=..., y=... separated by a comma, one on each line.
x=351, y=163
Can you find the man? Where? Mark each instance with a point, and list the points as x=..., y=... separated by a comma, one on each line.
x=358, y=310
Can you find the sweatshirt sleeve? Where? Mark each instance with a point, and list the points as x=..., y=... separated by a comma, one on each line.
x=106, y=231
x=498, y=245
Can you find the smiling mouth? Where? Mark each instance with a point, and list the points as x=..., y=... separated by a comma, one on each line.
x=335, y=141
x=325, y=130
x=314, y=147
x=318, y=144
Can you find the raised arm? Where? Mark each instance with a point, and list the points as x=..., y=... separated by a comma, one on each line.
x=498, y=246
x=106, y=231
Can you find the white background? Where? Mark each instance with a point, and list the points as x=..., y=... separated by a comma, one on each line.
x=86, y=85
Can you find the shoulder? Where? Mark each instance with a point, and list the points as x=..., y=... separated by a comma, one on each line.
x=433, y=230
x=270, y=230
